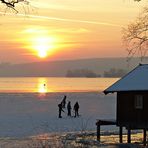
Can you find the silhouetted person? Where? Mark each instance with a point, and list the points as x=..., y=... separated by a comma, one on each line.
x=63, y=102
x=60, y=110
x=76, y=109
x=69, y=108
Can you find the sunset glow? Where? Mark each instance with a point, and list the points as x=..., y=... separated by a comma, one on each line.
x=71, y=30
x=59, y=59
x=39, y=41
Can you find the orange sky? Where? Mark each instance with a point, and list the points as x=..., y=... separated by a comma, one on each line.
x=65, y=29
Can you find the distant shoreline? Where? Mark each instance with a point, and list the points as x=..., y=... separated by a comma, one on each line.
x=51, y=77
x=60, y=68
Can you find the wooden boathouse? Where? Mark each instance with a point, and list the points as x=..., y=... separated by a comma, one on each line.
x=132, y=102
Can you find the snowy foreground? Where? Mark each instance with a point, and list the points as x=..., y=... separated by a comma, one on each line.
x=72, y=140
x=30, y=120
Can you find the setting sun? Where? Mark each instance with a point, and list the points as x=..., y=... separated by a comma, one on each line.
x=42, y=53
x=42, y=50
x=43, y=46
x=39, y=41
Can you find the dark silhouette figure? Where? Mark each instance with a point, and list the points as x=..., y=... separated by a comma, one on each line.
x=60, y=110
x=76, y=109
x=63, y=102
x=69, y=108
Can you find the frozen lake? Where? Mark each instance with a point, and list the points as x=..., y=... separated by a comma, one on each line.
x=30, y=113
x=27, y=114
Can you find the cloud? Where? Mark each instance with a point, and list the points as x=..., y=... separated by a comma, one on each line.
x=65, y=20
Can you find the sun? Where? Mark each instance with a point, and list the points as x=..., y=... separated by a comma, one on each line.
x=42, y=50
x=42, y=53
x=40, y=42
x=43, y=46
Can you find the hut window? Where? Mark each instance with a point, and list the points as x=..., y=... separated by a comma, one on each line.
x=138, y=101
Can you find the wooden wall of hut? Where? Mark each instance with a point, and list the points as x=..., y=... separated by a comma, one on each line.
x=129, y=113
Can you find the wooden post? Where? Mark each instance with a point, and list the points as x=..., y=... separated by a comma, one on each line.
x=98, y=132
x=128, y=136
x=144, y=137
x=120, y=134
x=103, y=122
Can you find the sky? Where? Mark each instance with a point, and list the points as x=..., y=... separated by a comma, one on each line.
x=48, y=30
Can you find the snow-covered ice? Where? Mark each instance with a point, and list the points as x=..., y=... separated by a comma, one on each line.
x=28, y=114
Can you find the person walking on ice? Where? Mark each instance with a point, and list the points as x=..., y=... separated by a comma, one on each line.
x=60, y=110
x=64, y=101
x=76, y=109
x=69, y=108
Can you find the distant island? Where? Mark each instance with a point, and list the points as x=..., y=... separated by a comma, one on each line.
x=91, y=74
x=82, y=73
x=113, y=72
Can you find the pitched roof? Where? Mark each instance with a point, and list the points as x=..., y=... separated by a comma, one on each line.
x=136, y=80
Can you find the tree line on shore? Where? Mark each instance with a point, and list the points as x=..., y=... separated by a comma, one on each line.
x=113, y=72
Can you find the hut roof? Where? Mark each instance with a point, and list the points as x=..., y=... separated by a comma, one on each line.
x=136, y=80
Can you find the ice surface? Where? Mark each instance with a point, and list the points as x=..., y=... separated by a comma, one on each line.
x=27, y=114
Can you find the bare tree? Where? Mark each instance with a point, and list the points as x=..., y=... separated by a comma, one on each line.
x=12, y=3
x=135, y=36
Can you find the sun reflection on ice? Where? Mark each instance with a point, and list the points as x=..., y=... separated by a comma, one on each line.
x=42, y=86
